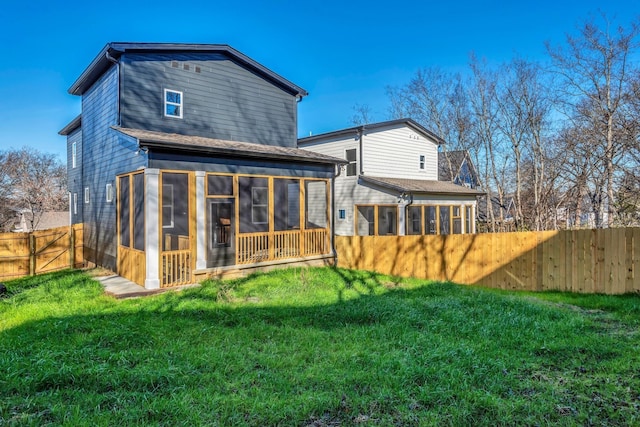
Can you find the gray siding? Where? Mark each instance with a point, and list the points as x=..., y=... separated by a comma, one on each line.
x=223, y=100
x=239, y=166
x=105, y=154
x=74, y=174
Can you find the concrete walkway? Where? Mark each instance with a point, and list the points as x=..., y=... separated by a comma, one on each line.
x=120, y=288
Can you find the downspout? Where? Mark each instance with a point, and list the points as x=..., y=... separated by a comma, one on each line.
x=405, y=205
x=360, y=144
x=336, y=173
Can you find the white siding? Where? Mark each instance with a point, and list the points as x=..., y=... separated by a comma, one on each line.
x=395, y=153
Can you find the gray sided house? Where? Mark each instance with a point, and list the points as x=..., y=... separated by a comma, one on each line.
x=391, y=184
x=184, y=164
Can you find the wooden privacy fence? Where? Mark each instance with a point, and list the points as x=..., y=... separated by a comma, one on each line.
x=27, y=254
x=589, y=261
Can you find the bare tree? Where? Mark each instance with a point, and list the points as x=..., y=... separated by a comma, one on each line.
x=362, y=115
x=33, y=182
x=594, y=71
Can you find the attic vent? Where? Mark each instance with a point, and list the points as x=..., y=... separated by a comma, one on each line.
x=175, y=64
x=186, y=67
x=197, y=69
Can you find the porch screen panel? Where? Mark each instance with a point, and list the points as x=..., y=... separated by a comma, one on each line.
x=138, y=211
x=365, y=221
x=430, y=220
x=175, y=211
x=124, y=217
x=316, y=204
x=445, y=219
x=467, y=219
x=287, y=204
x=387, y=220
x=414, y=225
x=219, y=185
x=254, y=204
x=457, y=220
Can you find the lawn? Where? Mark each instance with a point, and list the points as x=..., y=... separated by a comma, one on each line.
x=316, y=347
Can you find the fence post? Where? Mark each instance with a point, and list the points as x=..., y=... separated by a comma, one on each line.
x=72, y=247
x=32, y=254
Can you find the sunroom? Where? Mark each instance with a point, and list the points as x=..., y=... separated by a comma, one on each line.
x=205, y=207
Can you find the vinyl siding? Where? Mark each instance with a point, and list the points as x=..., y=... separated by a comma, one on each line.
x=395, y=153
x=105, y=154
x=224, y=100
x=74, y=175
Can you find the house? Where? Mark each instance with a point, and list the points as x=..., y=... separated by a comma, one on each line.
x=183, y=164
x=504, y=214
x=28, y=221
x=390, y=184
x=456, y=166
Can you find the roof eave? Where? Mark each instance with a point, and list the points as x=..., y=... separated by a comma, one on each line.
x=101, y=63
x=73, y=125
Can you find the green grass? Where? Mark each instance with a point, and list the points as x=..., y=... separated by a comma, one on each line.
x=315, y=347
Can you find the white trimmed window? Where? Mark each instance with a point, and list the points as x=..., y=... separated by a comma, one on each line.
x=86, y=194
x=172, y=103
x=260, y=205
x=75, y=203
x=422, y=162
x=73, y=155
x=351, y=157
x=109, y=192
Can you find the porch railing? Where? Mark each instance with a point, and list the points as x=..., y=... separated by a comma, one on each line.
x=176, y=268
x=259, y=247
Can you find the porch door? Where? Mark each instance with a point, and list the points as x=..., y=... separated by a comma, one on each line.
x=177, y=224
x=221, y=246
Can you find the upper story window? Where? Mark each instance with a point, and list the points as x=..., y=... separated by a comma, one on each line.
x=172, y=103
x=73, y=154
x=351, y=156
x=422, y=162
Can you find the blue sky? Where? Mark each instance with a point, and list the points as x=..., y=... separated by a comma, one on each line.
x=342, y=52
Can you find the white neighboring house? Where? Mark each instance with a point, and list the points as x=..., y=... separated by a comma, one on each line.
x=390, y=186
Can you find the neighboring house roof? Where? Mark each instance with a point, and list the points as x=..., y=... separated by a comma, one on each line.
x=73, y=125
x=457, y=158
x=506, y=208
x=47, y=220
x=421, y=186
x=373, y=126
x=112, y=51
x=199, y=144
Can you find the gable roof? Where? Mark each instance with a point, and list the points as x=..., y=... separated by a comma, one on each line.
x=112, y=51
x=200, y=144
x=457, y=158
x=374, y=126
x=421, y=186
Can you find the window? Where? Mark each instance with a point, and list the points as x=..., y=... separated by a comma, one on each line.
x=421, y=162
x=351, y=156
x=260, y=205
x=167, y=206
x=342, y=214
x=75, y=203
x=377, y=220
x=73, y=155
x=172, y=103
x=468, y=219
x=86, y=194
x=109, y=192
